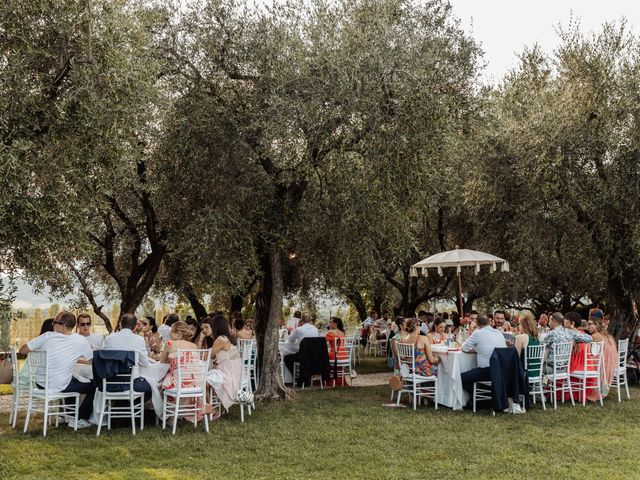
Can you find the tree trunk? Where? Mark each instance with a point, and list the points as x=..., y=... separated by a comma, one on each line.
x=623, y=320
x=237, y=302
x=270, y=304
x=198, y=308
x=358, y=302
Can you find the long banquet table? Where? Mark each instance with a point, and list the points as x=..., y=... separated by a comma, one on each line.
x=452, y=364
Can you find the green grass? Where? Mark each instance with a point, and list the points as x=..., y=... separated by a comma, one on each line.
x=345, y=434
x=370, y=364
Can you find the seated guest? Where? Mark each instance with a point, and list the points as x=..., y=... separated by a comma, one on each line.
x=150, y=333
x=572, y=321
x=47, y=326
x=426, y=362
x=206, y=334
x=125, y=339
x=335, y=339
x=437, y=334
x=293, y=322
x=64, y=349
x=528, y=337
x=84, y=329
x=194, y=326
x=598, y=332
x=397, y=335
x=292, y=344
x=242, y=331
x=167, y=322
x=559, y=334
x=180, y=340
x=225, y=376
x=482, y=341
x=499, y=321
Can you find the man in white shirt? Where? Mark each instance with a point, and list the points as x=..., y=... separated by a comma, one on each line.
x=84, y=329
x=292, y=345
x=371, y=319
x=126, y=340
x=482, y=341
x=64, y=349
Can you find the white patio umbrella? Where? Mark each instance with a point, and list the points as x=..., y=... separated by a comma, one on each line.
x=460, y=257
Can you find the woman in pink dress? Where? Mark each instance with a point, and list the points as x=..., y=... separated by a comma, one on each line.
x=225, y=376
x=597, y=330
x=180, y=340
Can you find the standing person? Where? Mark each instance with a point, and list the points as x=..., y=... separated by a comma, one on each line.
x=84, y=329
x=482, y=341
x=64, y=349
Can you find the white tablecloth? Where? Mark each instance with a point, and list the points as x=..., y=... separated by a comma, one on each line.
x=452, y=364
x=153, y=374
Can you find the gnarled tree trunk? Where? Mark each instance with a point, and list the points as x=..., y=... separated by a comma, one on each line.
x=268, y=313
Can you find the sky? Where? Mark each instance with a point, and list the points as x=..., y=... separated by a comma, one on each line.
x=504, y=27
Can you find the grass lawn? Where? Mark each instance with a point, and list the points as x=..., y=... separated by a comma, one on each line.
x=345, y=433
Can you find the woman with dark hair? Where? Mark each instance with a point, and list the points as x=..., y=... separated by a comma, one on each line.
x=194, y=326
x=426, y=362
x=243, y=332
x=150, y=332
x=337, y=349
x=225, y=377
x=438, y=331
x=206, y=333
x=47, y=326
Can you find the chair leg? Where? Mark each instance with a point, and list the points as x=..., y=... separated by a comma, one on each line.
x=542, y=399
x=618, y=387
x=474, y=398
x=26, y=421
x=132, y=413
x=554, y=390
x=141, y=413
x=626, y=386
x=584, y=391
x=175, y=414
x=101, y=415
x=164, y=412
x=204, y=414
x=46, y=418
x=242, y=413
x=570, y=392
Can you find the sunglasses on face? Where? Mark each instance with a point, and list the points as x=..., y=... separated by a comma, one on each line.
x=85, y=324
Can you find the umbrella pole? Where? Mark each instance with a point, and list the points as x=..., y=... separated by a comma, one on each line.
x=460, y=294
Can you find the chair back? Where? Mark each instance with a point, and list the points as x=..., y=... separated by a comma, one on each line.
x=314, y=357
x=406, y=357
x=593, y=356
x=246, y=349
x=350, y=344
x=561, y=357
x=623, y=350
x=121, y=373
x=533, y=358
x=282, y=334
x=192, y=368
x=38, y=363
